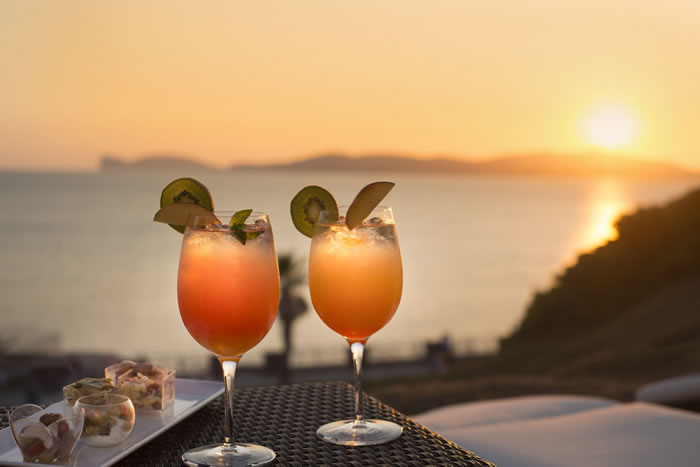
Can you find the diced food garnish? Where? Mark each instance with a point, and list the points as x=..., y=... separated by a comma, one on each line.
x=66, y=438
x=37, y=443
x=101, y=422
x=109, y=418
x=149, y=386
x=85, y=387
x=48, y=418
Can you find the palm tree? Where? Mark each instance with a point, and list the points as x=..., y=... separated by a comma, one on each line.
x=291, y=304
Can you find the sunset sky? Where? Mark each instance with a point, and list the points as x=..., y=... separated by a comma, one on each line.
x=229, y=82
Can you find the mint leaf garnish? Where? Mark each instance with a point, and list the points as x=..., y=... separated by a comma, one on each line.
x=239, y=217
x=240, y=235
x=238, y=224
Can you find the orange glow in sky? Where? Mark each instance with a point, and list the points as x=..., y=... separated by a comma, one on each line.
x=237, y=82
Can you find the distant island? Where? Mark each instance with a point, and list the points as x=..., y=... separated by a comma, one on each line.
x=548, y=165
x=151, y=163
x=525, y=165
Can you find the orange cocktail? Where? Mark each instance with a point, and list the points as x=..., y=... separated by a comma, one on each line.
x=227, y=291
x=355, y=277
x=355, y=280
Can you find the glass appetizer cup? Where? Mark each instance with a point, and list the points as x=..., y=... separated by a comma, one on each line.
x=150, y=387
x=109, y=419
x=48, y=435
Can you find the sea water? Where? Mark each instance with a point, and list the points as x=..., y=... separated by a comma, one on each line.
x=84, y=268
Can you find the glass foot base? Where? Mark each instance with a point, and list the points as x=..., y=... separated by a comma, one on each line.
x=237, y=455
x=365, y=433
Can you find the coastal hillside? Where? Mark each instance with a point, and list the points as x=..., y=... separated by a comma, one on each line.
x=655, y=339
x=629, y=309
x=623, y=315
x=657, y=248
x=152, y=163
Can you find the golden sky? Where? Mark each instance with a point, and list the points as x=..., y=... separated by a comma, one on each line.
x=254, y=81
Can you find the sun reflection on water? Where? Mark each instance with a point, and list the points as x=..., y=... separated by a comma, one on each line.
x=609, y=201
x=603, y=228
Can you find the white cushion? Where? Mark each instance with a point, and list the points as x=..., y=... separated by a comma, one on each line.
x=668, y=391
x=471, y=414
x=634, y=434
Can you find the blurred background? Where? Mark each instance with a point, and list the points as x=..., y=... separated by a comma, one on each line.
x=546, y=159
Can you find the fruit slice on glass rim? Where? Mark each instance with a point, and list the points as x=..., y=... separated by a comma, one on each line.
x=183, y=191
x=307, y=205
x=366, y=200
x=178, y=215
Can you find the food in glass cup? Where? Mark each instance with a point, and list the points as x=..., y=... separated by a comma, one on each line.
x=149, y=386
x=46, y=436
x=109, y=419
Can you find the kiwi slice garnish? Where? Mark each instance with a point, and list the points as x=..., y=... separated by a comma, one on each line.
x=186, y=190
x=307, y=205
x=366, y=200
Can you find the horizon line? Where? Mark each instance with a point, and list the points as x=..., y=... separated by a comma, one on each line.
x=366, y=155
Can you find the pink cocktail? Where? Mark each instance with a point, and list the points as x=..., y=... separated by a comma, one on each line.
x=228, y=291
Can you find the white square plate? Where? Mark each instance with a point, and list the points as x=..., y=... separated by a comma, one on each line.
x=190, y=396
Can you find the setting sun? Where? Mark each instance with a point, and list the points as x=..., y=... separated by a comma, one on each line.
x=611, y=127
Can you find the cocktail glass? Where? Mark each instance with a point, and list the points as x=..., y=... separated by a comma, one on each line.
x=228, y=293
x=355, y=279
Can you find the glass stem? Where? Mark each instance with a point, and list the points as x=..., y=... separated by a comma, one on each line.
x=358, y=350
x=229, y=369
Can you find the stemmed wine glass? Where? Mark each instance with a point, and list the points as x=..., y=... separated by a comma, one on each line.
x=228, y=291
x=355, y=279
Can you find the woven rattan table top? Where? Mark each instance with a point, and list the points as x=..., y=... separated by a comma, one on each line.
x=285, y=419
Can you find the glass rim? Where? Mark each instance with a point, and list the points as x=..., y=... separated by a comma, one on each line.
x=122, y=398
x=229, y=213
x=345, y=207
x=224, y=214
x=222, y=218
x=24, y=407
x=383, y=212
